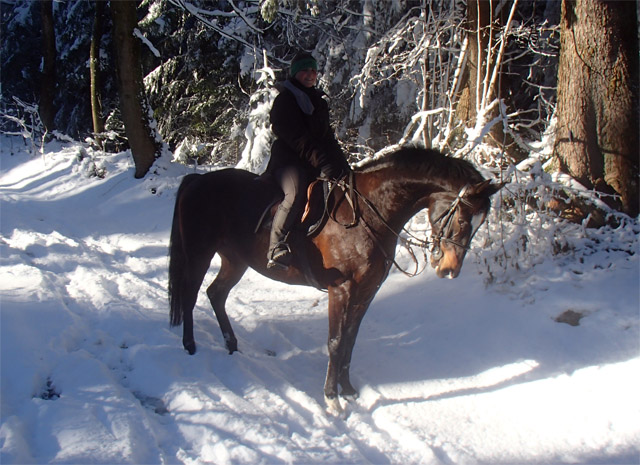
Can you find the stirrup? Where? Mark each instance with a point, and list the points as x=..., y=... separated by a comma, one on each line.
x=280, y=256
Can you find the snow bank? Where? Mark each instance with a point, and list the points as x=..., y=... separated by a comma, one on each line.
x=449, y=371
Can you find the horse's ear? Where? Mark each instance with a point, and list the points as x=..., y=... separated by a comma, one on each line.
x=485, y=188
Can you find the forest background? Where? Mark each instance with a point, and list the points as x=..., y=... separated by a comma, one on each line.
x=542, y=95
x=540, y=366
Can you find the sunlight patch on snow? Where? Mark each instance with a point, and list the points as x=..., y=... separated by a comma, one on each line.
x=21, y=282
x=441, y=388
x=535, y=421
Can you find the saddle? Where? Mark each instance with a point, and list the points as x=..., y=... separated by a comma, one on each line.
x=315, y=211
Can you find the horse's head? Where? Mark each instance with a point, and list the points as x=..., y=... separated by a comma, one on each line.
x=455, y=217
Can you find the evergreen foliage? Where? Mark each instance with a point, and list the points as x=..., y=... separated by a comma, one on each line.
x=381, y=63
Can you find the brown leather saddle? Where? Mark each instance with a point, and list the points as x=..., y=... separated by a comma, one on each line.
x=315, y=211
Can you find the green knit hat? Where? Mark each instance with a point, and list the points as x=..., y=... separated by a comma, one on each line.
x=303, y=61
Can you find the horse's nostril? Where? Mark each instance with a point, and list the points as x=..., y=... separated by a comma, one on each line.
x=446, y=272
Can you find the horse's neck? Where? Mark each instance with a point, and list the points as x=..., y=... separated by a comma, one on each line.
x=396, y=197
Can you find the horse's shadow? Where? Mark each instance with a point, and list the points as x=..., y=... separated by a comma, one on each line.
x=423, y=340
x=431, y=340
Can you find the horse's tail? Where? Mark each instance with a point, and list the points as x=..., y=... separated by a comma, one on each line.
x=177, y=257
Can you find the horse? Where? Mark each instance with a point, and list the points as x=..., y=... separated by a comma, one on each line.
x=351, y=254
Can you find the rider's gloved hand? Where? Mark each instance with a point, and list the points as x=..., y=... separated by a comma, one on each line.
x=330, y=171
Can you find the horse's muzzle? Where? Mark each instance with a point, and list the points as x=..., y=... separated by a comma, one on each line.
x=447, y=273
x=448, y=265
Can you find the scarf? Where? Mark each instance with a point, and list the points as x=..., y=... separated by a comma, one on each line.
x=304, y=102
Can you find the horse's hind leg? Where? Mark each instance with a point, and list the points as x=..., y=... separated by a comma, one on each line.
x=228, y=276
x=190, y=286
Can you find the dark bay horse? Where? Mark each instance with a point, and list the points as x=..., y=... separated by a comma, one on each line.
x=218, y=212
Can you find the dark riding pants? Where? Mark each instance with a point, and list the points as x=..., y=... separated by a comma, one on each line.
x=293, y=181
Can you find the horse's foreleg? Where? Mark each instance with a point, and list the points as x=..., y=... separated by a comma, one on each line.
x=228, y=276
x=338, y=298
x=343, y=328
x=350, y=332
x=345, y=317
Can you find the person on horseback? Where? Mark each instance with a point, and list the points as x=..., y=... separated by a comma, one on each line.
x=305, y=148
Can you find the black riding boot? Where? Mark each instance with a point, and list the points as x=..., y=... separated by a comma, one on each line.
x=279, y=252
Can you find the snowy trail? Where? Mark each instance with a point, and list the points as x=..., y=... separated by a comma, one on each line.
x=449, y=372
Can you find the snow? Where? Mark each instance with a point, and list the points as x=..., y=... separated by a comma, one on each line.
x=449, y=371
x=147, y=42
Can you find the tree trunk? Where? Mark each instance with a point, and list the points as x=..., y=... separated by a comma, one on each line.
x=133, y=102
x=484, y=26
x=478, y=18
x=597, y=137
x=48, y=83
x=94, y=69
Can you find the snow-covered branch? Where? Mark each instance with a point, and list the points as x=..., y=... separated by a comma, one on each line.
x=208, y=18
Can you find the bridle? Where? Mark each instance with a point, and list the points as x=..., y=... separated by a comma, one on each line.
x=446, y=218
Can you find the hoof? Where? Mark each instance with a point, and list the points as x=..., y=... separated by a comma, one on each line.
x=190, y=347
x=350, y=396
x=333, y=406
x=349, y=393
x=231, y=343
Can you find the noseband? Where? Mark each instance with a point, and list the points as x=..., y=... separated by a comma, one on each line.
x=445, y=220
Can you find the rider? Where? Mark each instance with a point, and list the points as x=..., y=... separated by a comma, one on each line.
x=305, y=148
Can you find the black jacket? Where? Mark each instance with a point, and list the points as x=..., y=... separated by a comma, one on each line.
x=304, y=137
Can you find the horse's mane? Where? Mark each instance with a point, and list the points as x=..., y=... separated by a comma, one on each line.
x=429, y=162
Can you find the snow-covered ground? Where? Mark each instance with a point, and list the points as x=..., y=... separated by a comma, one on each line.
x=449, y=371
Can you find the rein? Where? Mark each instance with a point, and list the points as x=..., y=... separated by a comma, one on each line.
x=348, y=187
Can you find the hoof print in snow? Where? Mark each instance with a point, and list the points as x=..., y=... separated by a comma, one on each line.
x=152, y=403
x=270, y=353
x=49, y=392
x=570, y=317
